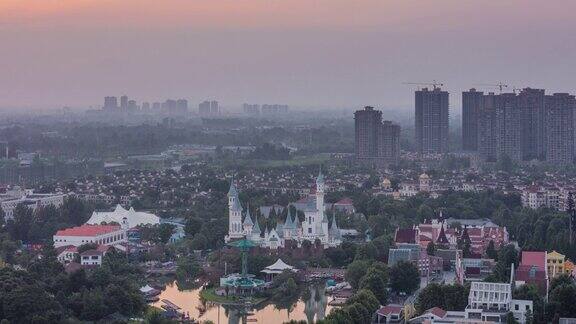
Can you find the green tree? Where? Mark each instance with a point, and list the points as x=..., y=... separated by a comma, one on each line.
x=355, y=271
x=404, y=277
x=491, y=251
x=377, y=283
x=193, y=226
x=165, y=230
x=562, y=299
x=431, y=248
x=2, y=217
x=367, y=298
x=506, y=257
x=429, y=297
x=510, y=319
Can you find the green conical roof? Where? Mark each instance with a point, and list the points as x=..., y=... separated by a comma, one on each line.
x=243, y=244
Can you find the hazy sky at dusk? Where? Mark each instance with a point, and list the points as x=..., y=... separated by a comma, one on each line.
x=301, y=52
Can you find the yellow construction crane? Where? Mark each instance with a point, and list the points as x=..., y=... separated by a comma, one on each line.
x=434, y=84
x=500, y=85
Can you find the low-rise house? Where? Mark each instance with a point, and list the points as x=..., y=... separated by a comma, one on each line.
x=91, y=258
x=345, y=205
x=66, y=254
x=555, y=264
x=533, y=270
x=389, y=314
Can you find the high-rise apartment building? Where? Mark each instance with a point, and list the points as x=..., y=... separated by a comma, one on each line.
x=559, y=125
x=204, y=108
x=471, y=106
x=214, y=107
x=110, y=103
x=487, y=131
x=124, y=102
x=367, y=122
x=132, y=106
x=431, y=120
x=251, y=109
x=388, y=142
x=532, y=126
x=508, y=127
x=377, y=142
x=182, y=106
x=274, y=109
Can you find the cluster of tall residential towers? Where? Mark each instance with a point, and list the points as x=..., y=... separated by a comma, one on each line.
x=524, y=126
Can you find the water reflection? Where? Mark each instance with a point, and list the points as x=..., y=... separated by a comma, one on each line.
x=311, y=306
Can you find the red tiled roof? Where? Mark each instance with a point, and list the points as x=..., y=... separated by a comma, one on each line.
x=436, y=311
x=67, y=248
x=91, y=252
x=389, y=309
x=538, y=278
x=88, y=230
x=474, y=232
x=405, y=235
x=344, y=201
x=537, y=258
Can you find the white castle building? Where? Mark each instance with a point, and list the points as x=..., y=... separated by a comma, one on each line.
x=315, y=225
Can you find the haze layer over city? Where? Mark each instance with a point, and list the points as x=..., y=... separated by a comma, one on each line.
x=321, y=54
x=287, y=161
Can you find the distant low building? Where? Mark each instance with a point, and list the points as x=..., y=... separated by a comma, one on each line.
x=27, y=197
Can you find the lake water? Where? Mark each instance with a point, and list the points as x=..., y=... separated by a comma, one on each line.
x=314, y=308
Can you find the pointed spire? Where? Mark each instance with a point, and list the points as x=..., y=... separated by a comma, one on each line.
x=256, y=229
x=442, y=239
x=232, y=192
x=334, y=225
x=320, y=178
x=248, y=219
x=334, y=230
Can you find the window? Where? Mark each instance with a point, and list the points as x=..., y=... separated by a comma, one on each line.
x=517, y=307
x=309, y=231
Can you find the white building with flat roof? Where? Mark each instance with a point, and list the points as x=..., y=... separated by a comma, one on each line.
x=491, y=302
x=99, y=234
x=17, y=196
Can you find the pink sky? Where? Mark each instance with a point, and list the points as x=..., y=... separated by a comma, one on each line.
x=307, y=53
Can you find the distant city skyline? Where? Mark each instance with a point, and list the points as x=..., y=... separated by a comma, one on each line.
x=325, y=53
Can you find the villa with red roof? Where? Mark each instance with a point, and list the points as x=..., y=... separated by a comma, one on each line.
x=99, y=234
x=533, y=270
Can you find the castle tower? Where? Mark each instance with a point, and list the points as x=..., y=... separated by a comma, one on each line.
x=320, y=195
x=247, y=224
x=235, y=229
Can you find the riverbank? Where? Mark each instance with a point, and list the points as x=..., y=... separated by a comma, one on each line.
x=311, y=306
